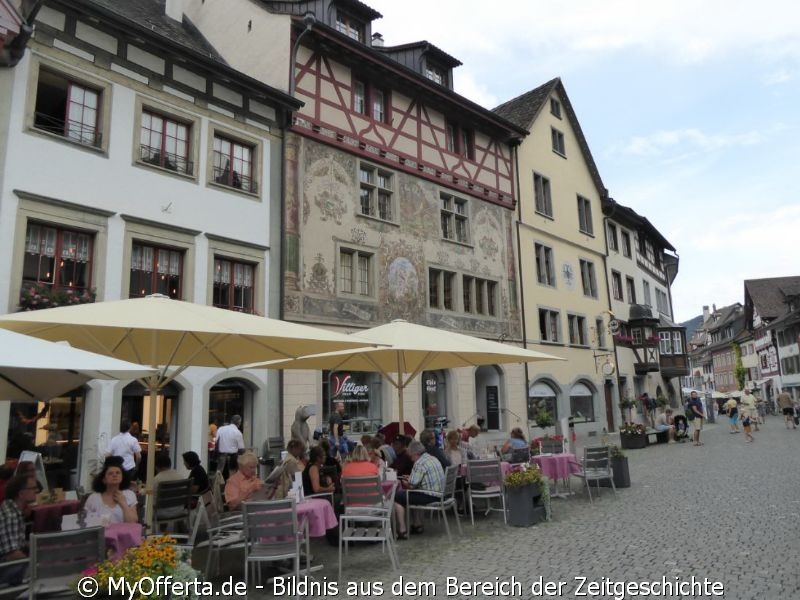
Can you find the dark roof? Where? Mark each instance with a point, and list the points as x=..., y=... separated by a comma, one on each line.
x=150, y=14
x=424, y=45
x=629, y=217
x=523, y=111
x=146, y=18
x=298, y=7
x=769, y=295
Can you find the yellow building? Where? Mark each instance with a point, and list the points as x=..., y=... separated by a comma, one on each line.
x=561, y=248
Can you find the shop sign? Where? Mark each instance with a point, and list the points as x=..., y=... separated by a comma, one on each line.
x=346, y=389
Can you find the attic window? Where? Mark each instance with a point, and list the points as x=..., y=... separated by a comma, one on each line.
x=436, y=73
x=349, y=26
x=555, y=108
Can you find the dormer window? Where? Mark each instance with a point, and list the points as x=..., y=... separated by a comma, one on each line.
x=436, y=73
x=352, y=28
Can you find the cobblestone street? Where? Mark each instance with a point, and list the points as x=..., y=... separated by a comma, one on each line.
x=727, y=511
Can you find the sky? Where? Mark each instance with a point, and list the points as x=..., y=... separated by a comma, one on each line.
x=691, y=111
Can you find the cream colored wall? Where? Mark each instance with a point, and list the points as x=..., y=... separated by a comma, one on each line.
x=261, y=50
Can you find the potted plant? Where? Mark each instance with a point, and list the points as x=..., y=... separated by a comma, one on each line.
x=633, y=436
x=619, y=464
x=523, y=488
x=544, y=420
x=36, y=296
x=625, y=406
x=661, y=401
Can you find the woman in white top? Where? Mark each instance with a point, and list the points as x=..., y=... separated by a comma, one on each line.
x=112, y=501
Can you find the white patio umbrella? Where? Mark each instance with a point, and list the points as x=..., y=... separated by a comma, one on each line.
x=407, y=350
x=171, y=335
x=32, y=369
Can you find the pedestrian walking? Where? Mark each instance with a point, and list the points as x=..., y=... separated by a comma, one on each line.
x=731, y=407
x=230, y=444
x=786, y=405
x=747, y=426
x=695, y=414
x=748, y=405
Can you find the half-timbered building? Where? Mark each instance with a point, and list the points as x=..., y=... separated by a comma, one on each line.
x=399, y=199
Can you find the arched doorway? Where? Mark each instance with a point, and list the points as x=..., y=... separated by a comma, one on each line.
x=434, y=397
x=136, y=408
x=488, y=390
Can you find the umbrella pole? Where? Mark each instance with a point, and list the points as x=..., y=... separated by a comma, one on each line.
x=151, y=449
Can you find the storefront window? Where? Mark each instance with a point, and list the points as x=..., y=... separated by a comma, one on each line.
x=434, y=397
x=361, y=394
x=52, y=429
x=542, y=397
x=581, y=403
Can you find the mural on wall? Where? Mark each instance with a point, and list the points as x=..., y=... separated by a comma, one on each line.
x=487, y=230
x=402, y=273
x=327, y=183
x=319, y=282
x=418, y=201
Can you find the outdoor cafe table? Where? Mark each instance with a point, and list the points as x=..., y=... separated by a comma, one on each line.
x=319, y=515
x=558, y=467
x=122, y=536
x=505, y=468
x=47, y=517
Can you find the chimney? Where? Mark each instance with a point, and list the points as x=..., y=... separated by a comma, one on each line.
x=174, y=9
x=714, y=308
x=706, y=314
x=377, y=40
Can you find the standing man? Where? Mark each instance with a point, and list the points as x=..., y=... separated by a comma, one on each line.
x=787, y=408
x=749, y=409
x=336, y=432
x=126, y=447
x=230, y=444
x=20, y=494
x=695, y=414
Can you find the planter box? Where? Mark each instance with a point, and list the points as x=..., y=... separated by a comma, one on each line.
x=622, y=475
x=521, y=503
x=632, y=442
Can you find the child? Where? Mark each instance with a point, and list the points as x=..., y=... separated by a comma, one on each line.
x=747, y=426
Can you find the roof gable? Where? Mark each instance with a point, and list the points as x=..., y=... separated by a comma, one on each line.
x=525, y=109
x=768, y=296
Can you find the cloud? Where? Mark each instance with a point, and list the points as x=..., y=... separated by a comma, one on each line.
x=686, y=141
x=777, y=77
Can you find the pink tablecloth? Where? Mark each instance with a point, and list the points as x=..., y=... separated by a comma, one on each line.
x=120, y=537
x=47, y=517
x=505, y=468
x=319, y=514
x=557, y=466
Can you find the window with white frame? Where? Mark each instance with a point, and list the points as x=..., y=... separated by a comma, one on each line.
x=545, y=269
x=677, y=342
x=164, y=142
x=234, y=285
x=376, y=192
x=555, y=108
x=577, y=330
x=441, y=289
x=155, y=270
x=454, y=218
x=600, y=332
x=585, y=215
x=460, y=140
x=351, y=27
x=646, y=291
x=57, y=257
x=558, y=141
x=544, y=201
x=370, y=100
x=630, y=284
x=626, y=244
x=662, y=305
x=549, y=329
x=588, y=278
x=355, y=272
x=233, y=163
x=68, y=108
x=542, y=398
x=436, y=73
x=665, y=342
x=359, y=97
x=613, y=242
x=616, y=285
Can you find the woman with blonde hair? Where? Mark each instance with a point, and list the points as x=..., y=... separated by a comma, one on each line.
x=244, y=482
x=359, y=464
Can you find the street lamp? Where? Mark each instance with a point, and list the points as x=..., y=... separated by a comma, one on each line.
x=309, y=20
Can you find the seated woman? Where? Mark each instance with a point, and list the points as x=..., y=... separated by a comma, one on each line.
x=313, y=480
x=664, y=423
x=453, y=448
x=112, y=501
x=374, y=452
x=359, y=464
x=515, y=442
x=244, y=483
x=197, y=473
x=293, y=463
